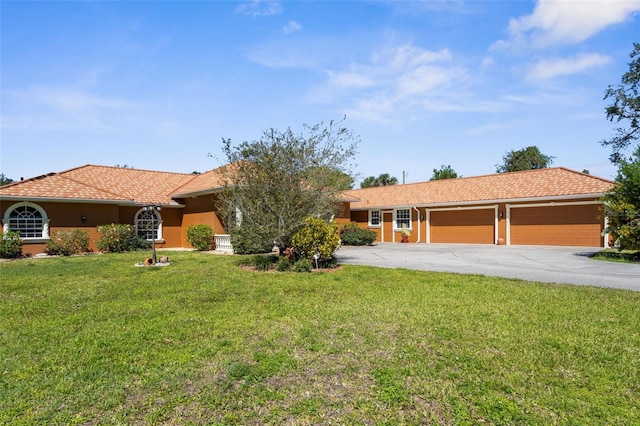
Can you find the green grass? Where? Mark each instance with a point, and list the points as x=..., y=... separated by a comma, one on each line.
x=95, y=340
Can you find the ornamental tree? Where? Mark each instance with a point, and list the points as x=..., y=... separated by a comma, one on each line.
x=273, y=184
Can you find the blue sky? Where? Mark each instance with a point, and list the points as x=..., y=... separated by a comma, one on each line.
x=157, y=84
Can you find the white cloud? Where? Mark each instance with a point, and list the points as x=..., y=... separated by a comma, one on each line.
x=412, y=56
x=407, y=68
x=487, y=62
x=292, y=52
x=403, y=80
x=57, y=98
x=550, y=68
x=350, y=79
x=567, y=22
x=259, y=8
x=60, y=108
x=291, y=27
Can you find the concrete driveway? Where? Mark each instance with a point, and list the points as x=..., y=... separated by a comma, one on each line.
x=570, y=265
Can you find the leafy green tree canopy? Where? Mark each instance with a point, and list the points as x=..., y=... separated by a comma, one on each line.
x=444, y=172
x=625, y=108
x=274, y=183
x=383, y=179
x=337, y=179
x=528, y=158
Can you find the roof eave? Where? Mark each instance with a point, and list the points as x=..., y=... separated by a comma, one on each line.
x=197, y=193
x=482, y=202
x=85, y=201
x=63, y=200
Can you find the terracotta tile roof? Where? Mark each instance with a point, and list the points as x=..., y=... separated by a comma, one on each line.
x=54, y=185
x=207, y=181
x=101, y=183
x=115, y=184
x=530, y=184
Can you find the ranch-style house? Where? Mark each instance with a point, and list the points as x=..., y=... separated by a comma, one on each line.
x=554, y=206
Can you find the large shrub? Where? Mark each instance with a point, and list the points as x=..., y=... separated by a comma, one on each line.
x=352, y=235
x=200, y=237
x=117, y=238
x=10, y=245
x=68, y=242
x=250, y=240
x=317, y=237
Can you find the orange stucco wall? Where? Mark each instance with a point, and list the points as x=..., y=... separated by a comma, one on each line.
x=63, y=216
x=343, y=213
x=171, y=223
x=200, y=211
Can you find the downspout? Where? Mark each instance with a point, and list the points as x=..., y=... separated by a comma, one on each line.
x=418, y=212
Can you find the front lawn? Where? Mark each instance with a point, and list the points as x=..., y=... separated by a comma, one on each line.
x=94, y=340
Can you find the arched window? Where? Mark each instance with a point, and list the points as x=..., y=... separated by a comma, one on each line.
x=28, y=219
x=149, y=223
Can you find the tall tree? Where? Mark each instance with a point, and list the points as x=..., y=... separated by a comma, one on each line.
x=625, y=108
x=4, y=180
x=622, y=203
x=383, y=179
x=338, y=179
x=274, y=183
x=386, y=179
x=368, y=182
x=528, y=158
x=444, y=172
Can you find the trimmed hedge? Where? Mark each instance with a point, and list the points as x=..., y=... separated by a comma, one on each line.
x=629, y=255
x=352, y=235
x=200, y=237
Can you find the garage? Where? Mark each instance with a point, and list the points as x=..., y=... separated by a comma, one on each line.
x=472, y=226
x=556, y=225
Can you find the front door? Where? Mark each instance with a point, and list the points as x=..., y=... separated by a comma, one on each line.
x=387, y=226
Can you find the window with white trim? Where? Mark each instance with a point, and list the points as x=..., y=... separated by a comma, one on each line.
x=374, y=217
x=149, y=224
x=403, y=217
x=28, y=219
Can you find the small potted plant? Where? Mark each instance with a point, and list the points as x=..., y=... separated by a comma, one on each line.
x=405, y=233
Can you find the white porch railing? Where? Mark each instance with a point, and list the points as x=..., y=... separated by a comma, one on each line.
x=223, y=242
